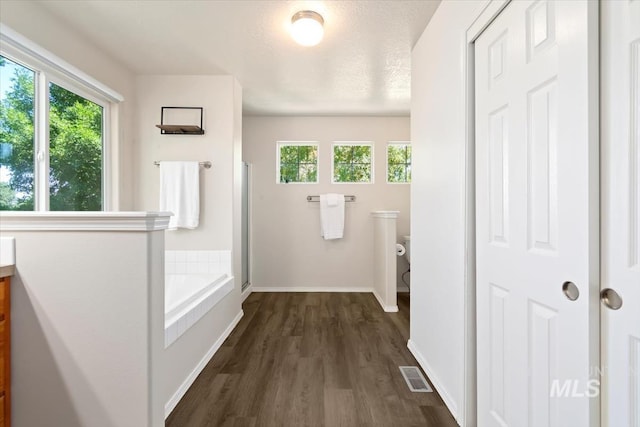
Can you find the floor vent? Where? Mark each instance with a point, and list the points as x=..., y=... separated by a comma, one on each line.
x=415, y=380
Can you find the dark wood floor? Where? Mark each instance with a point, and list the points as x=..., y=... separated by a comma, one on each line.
x=311, y=359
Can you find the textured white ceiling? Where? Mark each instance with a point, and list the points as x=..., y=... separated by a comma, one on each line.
x=363, y=65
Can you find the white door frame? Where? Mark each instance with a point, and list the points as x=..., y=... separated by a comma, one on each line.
x=484, y=18
x=488, y=14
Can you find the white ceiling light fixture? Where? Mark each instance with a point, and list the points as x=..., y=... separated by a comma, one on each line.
x=307, y=27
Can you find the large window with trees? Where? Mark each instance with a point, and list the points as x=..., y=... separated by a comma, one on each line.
x=51, y=142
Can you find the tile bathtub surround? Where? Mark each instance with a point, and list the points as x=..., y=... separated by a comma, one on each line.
x=175, y=329
x=197, y=262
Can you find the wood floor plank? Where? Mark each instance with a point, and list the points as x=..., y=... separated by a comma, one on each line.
x=311, y=359
x=338, y=408
x=438, y=416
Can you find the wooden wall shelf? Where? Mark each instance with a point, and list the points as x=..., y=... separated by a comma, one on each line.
x=174, y=129
x=180, y=130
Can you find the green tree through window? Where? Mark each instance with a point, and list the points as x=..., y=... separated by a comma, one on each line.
x=75, y=152
x=298, y=163
x=17, y=93
x=75, y=144
x=352, y=162
x=399, y=163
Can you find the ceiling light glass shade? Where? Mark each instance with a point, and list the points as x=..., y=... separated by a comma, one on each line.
x=306, y=27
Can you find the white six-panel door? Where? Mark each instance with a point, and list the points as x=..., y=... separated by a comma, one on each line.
x=537, y=216
x=620, y=130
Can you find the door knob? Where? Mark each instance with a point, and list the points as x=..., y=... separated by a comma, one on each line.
x=570, y=290
x=611, y=299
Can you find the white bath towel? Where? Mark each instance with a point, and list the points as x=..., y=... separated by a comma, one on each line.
x=180, y=193
x=331, y=216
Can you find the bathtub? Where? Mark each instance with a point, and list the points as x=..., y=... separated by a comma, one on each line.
x=188, y=297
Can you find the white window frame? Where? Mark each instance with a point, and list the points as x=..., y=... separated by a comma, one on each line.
x=387, y=161
x=373, y=162
x=49, y=68
x=297, y=143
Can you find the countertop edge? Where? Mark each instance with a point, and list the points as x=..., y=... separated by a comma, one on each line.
x=7, y=270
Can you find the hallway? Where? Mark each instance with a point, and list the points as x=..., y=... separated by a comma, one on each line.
x=311, y=359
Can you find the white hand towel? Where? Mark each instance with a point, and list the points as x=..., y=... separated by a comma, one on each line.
x=331, y=216
x=180, y=193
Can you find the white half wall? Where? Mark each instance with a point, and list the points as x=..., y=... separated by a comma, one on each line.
x=385, y=287
x=34, y=22
x=288, y=251
x=87, y=327
x=438, y=194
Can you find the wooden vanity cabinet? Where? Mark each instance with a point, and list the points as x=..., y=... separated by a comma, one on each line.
x=5, y=352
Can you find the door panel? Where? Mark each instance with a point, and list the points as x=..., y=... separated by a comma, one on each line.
x=498, y=169
x=497, y=350
x=543, y=333
x=620, y=126
x=542, y=170
x=536, y=216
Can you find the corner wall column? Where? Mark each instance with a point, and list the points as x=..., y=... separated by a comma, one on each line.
x=384, y=259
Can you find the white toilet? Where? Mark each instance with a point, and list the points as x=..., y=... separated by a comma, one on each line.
x=407, y=246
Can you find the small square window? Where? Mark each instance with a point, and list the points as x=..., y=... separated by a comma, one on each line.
x=297, y=162
x=352, y=162
x=398, y=162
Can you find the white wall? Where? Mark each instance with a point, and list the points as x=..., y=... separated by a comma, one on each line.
x=438, y=132
x=287, y=250
x=216, y=95
x=34, y=22
x=220, y=188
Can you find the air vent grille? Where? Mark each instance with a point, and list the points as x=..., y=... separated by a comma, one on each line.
x=415, y=380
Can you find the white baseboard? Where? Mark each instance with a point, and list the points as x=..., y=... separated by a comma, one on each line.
x=173, y=401
x=309, y=289
x=387, y=308
x=437, y=384
x=246, y=293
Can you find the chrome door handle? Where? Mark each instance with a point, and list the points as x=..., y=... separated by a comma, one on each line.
x=611, y=299
x=570, y=291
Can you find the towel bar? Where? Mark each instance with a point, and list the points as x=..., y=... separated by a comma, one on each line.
x=317, y=198
x=206, y=165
